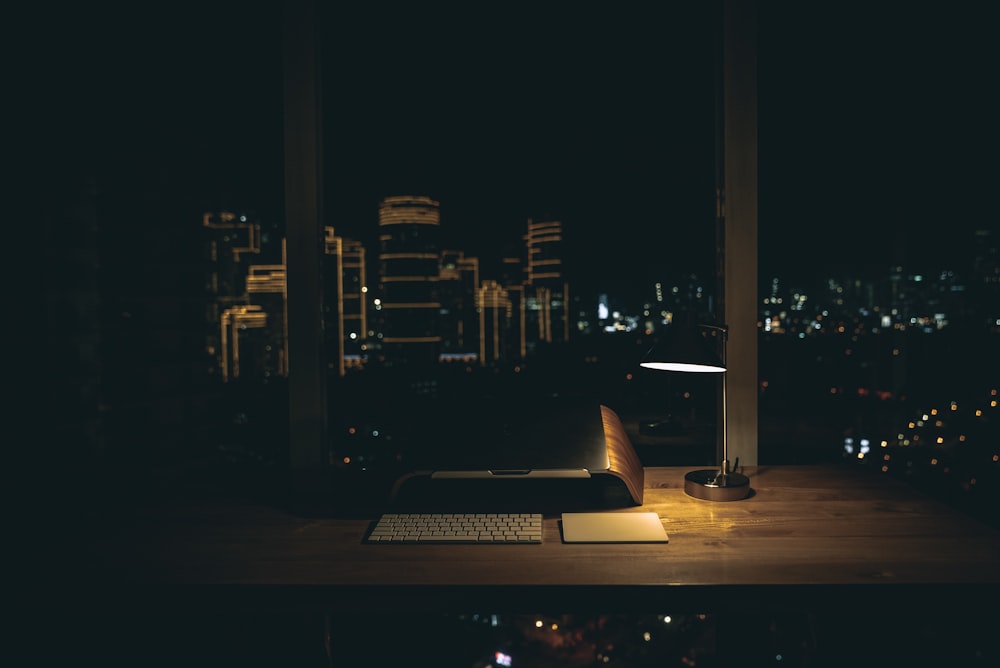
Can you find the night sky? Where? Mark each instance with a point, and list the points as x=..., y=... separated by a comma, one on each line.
x=874, y=122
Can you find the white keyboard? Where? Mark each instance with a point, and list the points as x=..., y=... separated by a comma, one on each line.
x=457, y=528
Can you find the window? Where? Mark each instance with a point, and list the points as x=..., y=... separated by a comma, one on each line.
x=510, y=180
x=877, y=271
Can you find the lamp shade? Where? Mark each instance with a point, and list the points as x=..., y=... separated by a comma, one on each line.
x=687, y=348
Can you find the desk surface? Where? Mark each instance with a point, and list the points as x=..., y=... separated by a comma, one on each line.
x=805, y=535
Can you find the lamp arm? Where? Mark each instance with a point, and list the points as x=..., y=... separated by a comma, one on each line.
x=724, y=335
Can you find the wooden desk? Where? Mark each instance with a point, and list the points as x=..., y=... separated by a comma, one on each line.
x=807, y=537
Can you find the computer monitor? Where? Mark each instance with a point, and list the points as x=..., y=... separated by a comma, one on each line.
x=545, y=457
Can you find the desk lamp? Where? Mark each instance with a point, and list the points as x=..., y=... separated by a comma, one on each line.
x=690, y=350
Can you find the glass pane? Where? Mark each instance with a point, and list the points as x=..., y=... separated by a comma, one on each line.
x=164, y=223
x=877, y=265
x=533, y=197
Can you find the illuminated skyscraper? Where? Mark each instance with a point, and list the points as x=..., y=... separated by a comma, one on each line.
x=247, y=309
x=233, y=243
x=494, y=307
x=243, y=335
x=407, y=315
x=513, y=279
x=546, y=289
x=355, y=309
x=253, y=337
x=333, y=300
x=458, y=321
x=345, y=317
x=267, y=287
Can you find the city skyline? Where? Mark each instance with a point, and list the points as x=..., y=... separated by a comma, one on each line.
x=420, y=295
x=954, y=254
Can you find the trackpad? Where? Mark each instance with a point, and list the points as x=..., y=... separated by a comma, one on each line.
x=617, y=527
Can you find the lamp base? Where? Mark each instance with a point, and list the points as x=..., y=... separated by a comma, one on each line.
x=713, y=485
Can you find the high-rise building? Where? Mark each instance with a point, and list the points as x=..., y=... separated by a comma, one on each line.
x=243, y=336
x=355, y=308
x=458, y=320
x=333, y=300
x=345, y=315
x=547, y=292
x=407, y=315
x=233, y=243
x=247, y=307
x=494, y=308
x=268, y=297
x=513, y=279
